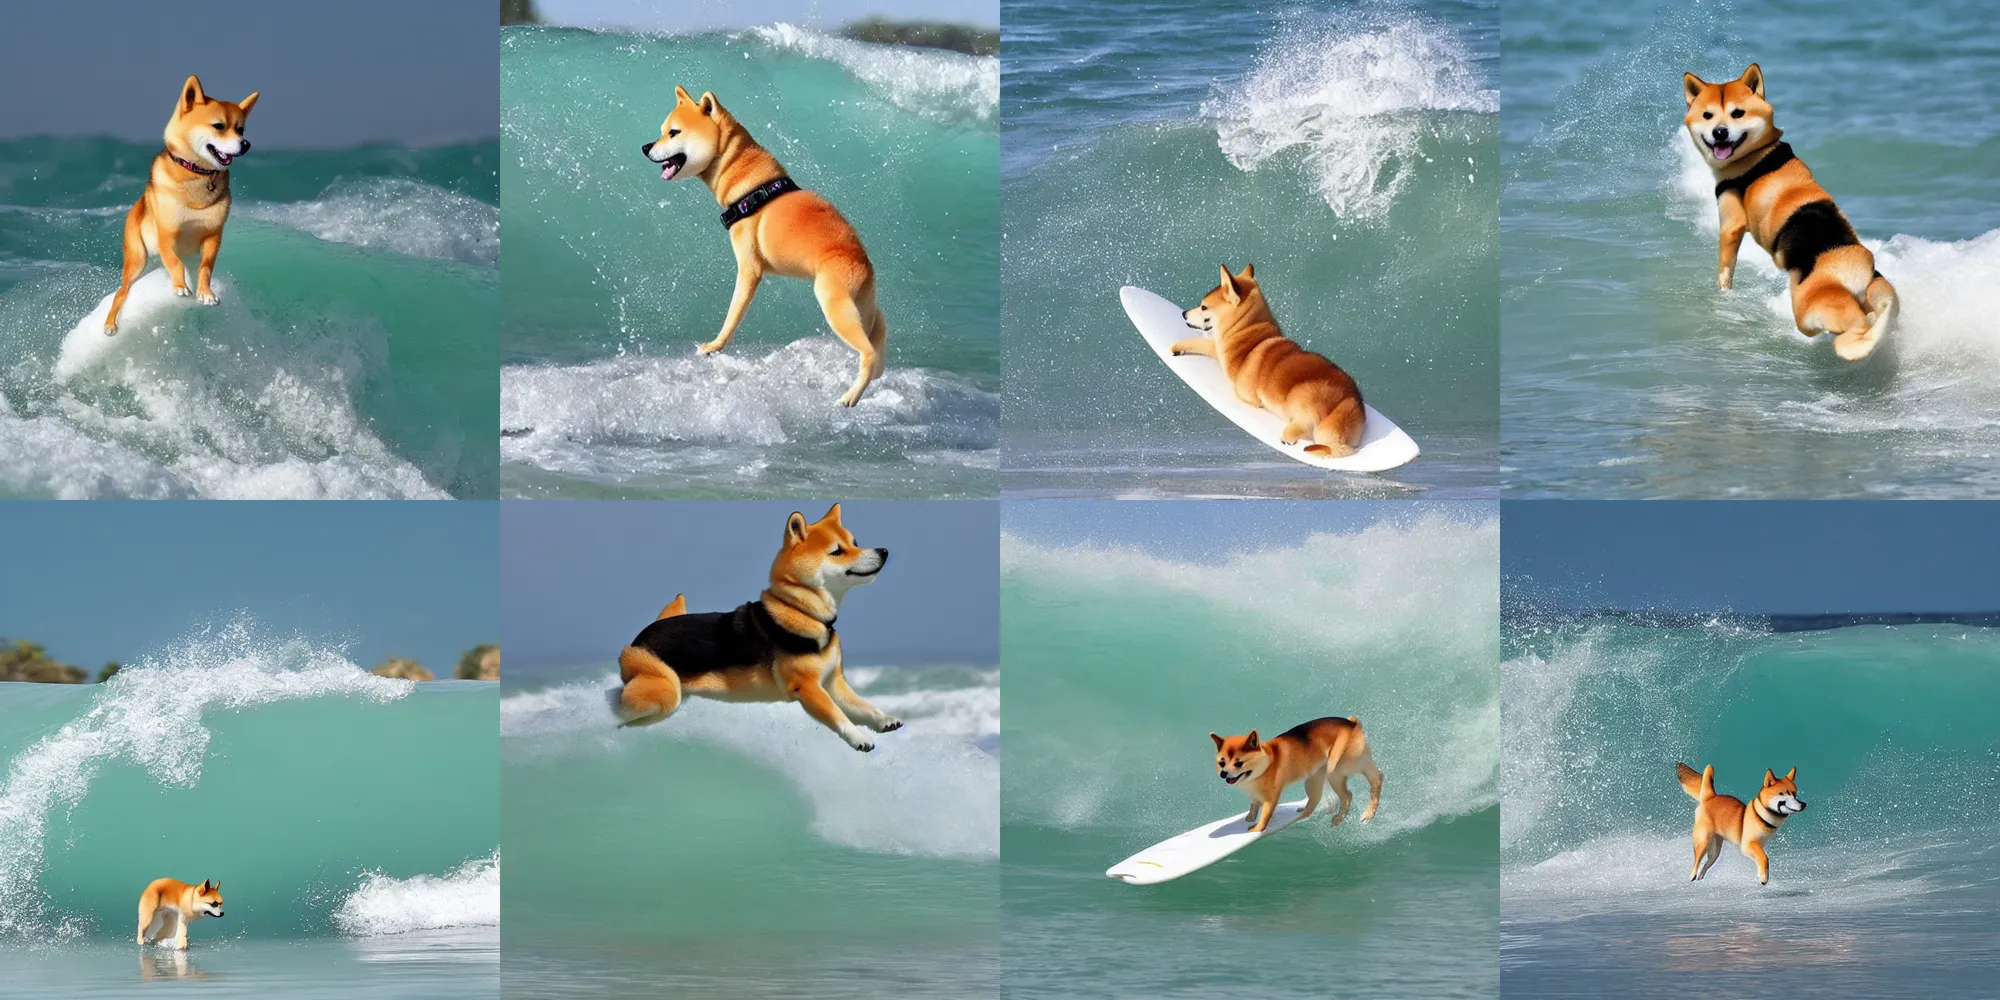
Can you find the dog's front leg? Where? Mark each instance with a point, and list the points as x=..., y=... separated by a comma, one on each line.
x=211, y=245
x=1193, y=345
x=748, y=274
x=1734, y=223
x=860, y=708
x=170, y=258
x=818, y=704
x=1264, y=810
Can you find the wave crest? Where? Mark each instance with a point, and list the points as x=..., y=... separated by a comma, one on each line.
x=466, y=896
x=948, y=86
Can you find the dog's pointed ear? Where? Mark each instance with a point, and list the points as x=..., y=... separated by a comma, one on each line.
x=1250, y=741
x=1792, y=775
x=1693, y=85
x=1228, y=284
x=204, y=885
x=1754, y=79
x=709, y=105
x=832, y=514
x=249, y=102
x=795, y=528
x=191, y=94
x=1770, y=777
x=1217, y=739
x=681, y=95
x=1249, y=272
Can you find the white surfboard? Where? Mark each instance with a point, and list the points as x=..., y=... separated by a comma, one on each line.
x=151, y=305
x=1200, y=847
x=1384, y=446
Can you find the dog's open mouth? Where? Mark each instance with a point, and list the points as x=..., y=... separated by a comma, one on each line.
x=672, y=165
x=220, y=156
x=1232, y=779
x=1724, y=149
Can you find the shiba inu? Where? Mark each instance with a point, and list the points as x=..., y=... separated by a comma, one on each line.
x=1724, y=817
x=1763, y=189
x=1313, y=395
x=169, y=904
x=187, y=195
x=780, y=647
x=1315, y=752
x=775, y=226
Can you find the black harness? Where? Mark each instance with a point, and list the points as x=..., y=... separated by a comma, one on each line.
x=1779, y=155
x=759, y=196
x=785, y=639
x=204, y=171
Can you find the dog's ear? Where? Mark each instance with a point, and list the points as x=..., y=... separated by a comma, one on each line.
x=191, y=94
x=204, y=885
x=681, y=95
x=832, y=514
x=1250, y=741
x=1693, y=85
x=1228, y=284
x=1770, y=777
x=1792, y=775
x=795, y=528
x=1754, y=79
x=249, y=102
x=1217, y=739
x=1249, y=272
x=709, y=105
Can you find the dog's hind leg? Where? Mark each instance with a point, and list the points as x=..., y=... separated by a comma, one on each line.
x=148, y=905
x=1374, y=776
x=836, y=288
x=652, y=689
x=859, y=708
x=748, y=275
x=135, y=261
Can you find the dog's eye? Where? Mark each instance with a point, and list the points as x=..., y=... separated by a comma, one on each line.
x=220, y=127
x=1707, y=114
x=838, y=551
x=1738, y=113
x=673, y=132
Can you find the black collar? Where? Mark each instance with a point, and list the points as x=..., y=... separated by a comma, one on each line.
x=1779, y=155
x=747, y=206
x=204, y=171
x=1757, y=810
x=784, y=638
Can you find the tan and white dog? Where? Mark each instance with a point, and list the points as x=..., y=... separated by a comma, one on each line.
x=1764, y=190
x=1267, y=369
x=168, y=905
x=774, y=226
x=187, y=195
x=1317, y=752
x=780, y=647
x=1725, y=817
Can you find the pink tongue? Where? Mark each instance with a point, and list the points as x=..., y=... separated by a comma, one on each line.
x=667, y=172
x=1724, y=152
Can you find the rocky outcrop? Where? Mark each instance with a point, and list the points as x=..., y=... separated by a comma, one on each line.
x=480, y=663
x=27, y=661
x=398, y=667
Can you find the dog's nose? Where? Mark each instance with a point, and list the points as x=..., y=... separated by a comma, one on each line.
x=1722, y=132
x=646, y=150
x=884, y=553
x=246, y=147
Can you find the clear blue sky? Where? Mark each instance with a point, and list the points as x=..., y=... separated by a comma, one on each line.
x=330, y=74
x=579, y=579
x=114, y=579
x=701, y=15
x=1195, y=529
x=1757, y=556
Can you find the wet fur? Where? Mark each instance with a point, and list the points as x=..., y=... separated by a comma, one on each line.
x=168, y=905
x=1320, y=752
x=1725, y=817
x=1314, y=397
x=181, y=212
x=780, y=647
x=798, y=234
x=1835, y=287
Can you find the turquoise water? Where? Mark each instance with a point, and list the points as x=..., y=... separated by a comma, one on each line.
x=353, y=822
x=1628, y=375
x=351, y=356
x=1120, y=663
x=615, y=275
x=1884, y=886
x=742, y=850
x=1350, y=153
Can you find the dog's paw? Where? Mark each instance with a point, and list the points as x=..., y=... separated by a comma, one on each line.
x=111, y=329
x=850, y=397
x=889, y=724
x=865, y=746
x=1722, y=278
x=207, y=299
x=182, y=291
x=711, y=347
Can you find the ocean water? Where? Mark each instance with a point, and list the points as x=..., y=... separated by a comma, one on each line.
x=351, y=357
x=1884, y=887
x=1350, y=152
x=742, y=850
x=1119, y=664
x=617, y=275
x=352, y=820
x=1627, y=373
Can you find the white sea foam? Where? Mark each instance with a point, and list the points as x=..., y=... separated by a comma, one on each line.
x=466, y=896
x=396, y=214
x=931, y=82
x=150, y=715
x=1346, y=99
x=925, y=790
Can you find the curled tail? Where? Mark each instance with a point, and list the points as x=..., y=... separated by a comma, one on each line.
x=675, y=608
x=1700, y=785
x=1350, y=741
x=1338, y=433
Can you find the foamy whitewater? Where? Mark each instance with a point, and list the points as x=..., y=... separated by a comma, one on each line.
x=466, y=896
